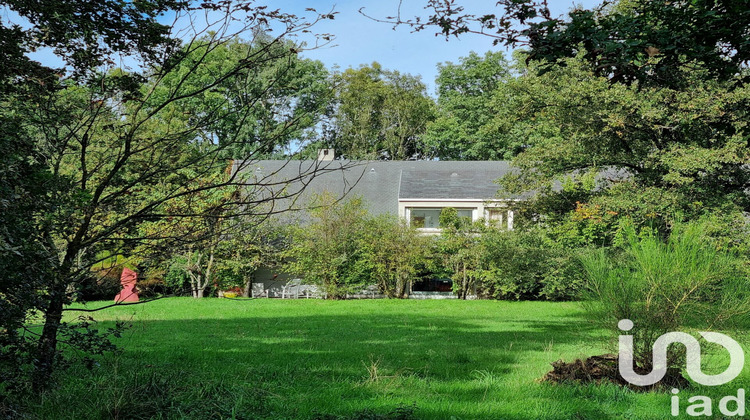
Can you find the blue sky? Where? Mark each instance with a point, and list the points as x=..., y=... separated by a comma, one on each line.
x=359, y=40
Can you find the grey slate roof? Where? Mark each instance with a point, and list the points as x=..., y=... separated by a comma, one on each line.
x=382, y=183
x=453, y=181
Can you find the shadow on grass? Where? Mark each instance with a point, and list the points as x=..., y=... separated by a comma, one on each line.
x=341, y=343
x=345, y=365
x=345, y=360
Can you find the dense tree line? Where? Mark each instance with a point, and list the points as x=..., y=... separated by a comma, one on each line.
x=633, y=116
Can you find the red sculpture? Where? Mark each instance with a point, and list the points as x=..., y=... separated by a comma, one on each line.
x=128, y=292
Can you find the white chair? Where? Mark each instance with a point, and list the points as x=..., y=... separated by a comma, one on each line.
x=292, y=285
x=258, y=290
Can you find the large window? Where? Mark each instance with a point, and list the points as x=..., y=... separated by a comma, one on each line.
x=429, y=218
x=495, y=216
x=500, y=217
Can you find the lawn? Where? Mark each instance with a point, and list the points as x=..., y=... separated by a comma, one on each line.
x=220, y=358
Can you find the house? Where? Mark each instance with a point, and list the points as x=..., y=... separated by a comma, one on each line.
x=413, y=190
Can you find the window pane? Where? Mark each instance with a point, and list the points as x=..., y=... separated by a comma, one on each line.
x=496, y=216
x=466, y=213
x=430, y=218
x=425, y=218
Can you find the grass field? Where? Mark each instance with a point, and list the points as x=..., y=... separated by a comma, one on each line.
x=369, y=359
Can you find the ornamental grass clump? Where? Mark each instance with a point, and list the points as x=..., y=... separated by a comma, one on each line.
x=686, y=282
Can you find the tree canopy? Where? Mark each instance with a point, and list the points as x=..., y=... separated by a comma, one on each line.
x=465, y=90
x=653, y=43
x=98, y=152
x=651, y=93
x=379, y=114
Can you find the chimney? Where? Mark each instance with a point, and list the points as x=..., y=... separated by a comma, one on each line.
x=325, y=155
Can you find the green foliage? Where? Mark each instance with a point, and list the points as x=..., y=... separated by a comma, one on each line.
x=343, y=249
x=459, y=246
x=246, y=246
x=25, y=261
x=462, y=129
x=253, y=111
x=654, y=154
x=108, y=154
x=379, y=114
x=328, y=251
x=686, y=281
x=36, y=199
x=208, y=242
x=394, y=252
x=653, y=43
x=683, y=141
x=640, y=41
x=194, y=226
x=524, y=265
x=129, y=29
x=176, y=277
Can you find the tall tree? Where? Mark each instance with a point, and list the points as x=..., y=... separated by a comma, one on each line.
x=380, y=114
x=262, y=112
x=666, y=150
x=117, y=151
x=636, y=86
x=24, y=262
x=465, y=91
x=654, y=43
x=27, y=184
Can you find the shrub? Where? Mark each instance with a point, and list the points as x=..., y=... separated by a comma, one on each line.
x=662, y=286
x=564, y=277
x=394, y=251
x=460, y=247
x=525, y=265
x=176, y=279
x=344, y=249
x=328, y=251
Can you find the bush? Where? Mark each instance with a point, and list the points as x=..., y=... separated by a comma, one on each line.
x=176, y=279
x=523, y=265
x=344, y=249
x=329, y=251
x=394, y=251
x=461, y=250
x=102, y=285
x=663, y=286
x=564, y=277
x=151, y=282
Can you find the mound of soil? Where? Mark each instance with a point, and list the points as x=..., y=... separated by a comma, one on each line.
x=604, y=368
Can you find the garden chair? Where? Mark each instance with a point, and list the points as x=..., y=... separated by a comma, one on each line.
x=292, y=286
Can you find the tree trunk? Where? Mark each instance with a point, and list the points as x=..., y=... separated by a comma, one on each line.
x=248, y=287
x=402, y=284
x=209, y=271
x=462, y=295
x=195, y=273
x=44, y=364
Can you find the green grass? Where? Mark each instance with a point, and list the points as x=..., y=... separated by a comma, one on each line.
x=220, y=358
